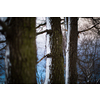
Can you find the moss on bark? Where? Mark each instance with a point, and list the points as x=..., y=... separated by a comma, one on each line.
x=23, y=50
x=57, y=67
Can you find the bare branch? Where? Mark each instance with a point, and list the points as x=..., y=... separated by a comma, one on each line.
x=5, y=28
x=3, y=48
x=62, y=20
x=41, y=25
x=62, y=23
x=41, y=59
x=89, y=28
x=7, y=20
x=2, y=41
x=48, y=55
x=82, y=68
x=83, y=61
x=1, y=57
x=2, y=32
x=48, y=32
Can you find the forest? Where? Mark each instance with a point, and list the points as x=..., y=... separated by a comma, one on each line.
x=49, y=50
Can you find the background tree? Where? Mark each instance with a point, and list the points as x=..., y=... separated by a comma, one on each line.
x=88, y=61
x=88, y=51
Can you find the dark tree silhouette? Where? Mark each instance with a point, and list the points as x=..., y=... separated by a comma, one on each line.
x=20, y=35
x=73, y=50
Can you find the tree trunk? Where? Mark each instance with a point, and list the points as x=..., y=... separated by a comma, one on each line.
x=48, y=51
x=73, y=50
x=57, y=67
x=22, y=51
x=67, y=27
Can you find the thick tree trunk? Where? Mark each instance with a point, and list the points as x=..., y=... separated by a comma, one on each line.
x=57, y=67
x=22, y=51
x=73, y=50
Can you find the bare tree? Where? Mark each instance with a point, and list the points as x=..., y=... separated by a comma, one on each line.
x=88, y=61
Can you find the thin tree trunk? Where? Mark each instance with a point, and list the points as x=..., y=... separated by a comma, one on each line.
x=57, y=67
x=23, y=51
x=48, y=51
x=67, y=27
x=73, y=50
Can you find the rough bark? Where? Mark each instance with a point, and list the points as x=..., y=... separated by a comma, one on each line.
x=22, y=50
x=57, y=67
x=73, y=50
